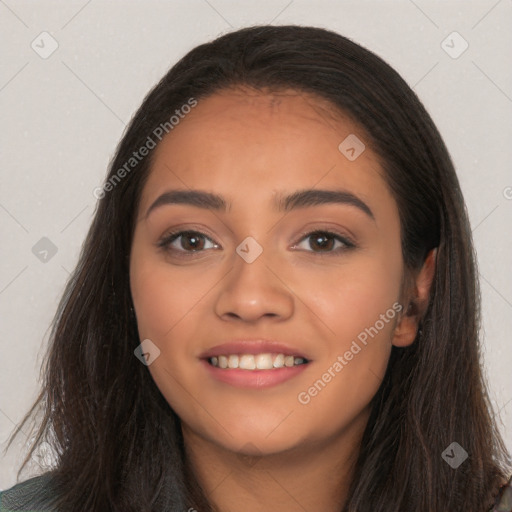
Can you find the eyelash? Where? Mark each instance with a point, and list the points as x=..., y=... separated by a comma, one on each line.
x=165, y=242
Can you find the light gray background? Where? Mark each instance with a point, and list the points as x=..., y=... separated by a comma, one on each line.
x=63, y=116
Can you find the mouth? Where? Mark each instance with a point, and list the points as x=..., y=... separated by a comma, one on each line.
x=251, y=362
x=254, y=364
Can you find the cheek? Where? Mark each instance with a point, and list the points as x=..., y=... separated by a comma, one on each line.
x=161, y=297
x=153, y=300
x=168, y=308
x=359, y=304
x=354, y=361
x=351, y=298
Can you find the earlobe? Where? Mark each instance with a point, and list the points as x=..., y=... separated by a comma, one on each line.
x=414, y=310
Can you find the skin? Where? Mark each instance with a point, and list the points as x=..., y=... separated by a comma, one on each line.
x=262, y=447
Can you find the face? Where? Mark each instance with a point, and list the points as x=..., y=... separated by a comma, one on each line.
x=290, y=269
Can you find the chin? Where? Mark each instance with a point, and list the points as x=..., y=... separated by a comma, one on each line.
x=252, y=438
x=253, y=446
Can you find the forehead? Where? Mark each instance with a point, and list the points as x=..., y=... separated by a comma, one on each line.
x=268, y=104
x=250, y=145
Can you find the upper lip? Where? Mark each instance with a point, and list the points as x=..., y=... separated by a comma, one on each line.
x=252, y=346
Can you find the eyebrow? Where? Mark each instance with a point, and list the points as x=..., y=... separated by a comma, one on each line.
x=299, y=199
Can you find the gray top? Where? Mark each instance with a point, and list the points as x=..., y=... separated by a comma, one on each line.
x=32, y=495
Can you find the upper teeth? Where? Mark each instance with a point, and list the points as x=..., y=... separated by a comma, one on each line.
x=255, y=361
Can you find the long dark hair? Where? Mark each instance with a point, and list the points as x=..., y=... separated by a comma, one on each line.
x=118, y=442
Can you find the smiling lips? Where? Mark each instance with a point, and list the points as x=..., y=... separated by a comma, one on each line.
x=265, y=361
x=251, y=354
x=254, y=363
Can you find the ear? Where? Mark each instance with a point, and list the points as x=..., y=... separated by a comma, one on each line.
x=416, y=306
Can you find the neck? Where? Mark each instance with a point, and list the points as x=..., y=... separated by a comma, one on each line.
x=313, y=477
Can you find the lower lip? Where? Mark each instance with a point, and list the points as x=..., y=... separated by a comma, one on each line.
x=256, y=379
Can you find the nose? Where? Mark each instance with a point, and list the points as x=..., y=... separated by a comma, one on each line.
x=252, y=292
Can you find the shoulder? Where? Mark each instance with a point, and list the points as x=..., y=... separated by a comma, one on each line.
x=32, y=494
x=504, y=500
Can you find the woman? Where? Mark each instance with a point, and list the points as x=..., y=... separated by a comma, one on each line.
x=276, y=306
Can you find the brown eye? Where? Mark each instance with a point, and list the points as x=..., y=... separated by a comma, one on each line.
x=324, y=241
x=187, y=241
x=321, y=241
